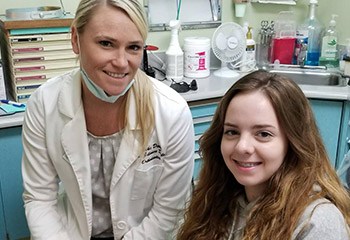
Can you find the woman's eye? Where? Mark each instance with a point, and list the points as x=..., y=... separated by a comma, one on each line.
x=135, y=47
x=264, y=134
x=230, y=132
x=105, y=43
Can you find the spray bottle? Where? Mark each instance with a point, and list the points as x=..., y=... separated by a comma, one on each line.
x=174, y=54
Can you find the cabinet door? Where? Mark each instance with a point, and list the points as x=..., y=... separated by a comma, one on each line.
x=11, y=182
x=328, y=116
x=202, y=116
x=342, y=163
x=2, y=217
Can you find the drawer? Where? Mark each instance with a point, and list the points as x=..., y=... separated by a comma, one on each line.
x=203, y=110
x=201, y=127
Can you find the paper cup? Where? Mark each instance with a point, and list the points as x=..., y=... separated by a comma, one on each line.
x=240, y=9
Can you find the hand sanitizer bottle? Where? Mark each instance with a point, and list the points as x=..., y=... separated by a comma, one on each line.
x=329, y=52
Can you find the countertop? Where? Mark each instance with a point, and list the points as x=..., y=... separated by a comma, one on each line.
x=214, y=87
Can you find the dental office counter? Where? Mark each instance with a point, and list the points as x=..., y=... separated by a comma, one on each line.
x=330, y=104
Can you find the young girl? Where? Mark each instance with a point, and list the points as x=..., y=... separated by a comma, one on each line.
x=266, y=173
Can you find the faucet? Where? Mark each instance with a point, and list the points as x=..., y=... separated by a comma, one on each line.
x=302, y=55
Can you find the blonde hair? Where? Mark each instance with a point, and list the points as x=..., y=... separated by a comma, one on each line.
x=142, y=88
x=290, y=190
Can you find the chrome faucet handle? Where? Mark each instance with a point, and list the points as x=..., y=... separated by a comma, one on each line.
x=302, y=55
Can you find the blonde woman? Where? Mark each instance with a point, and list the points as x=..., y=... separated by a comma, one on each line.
x=108, y=151
x=266, y=174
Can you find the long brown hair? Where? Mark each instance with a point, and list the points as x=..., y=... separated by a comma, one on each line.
x=290, y=190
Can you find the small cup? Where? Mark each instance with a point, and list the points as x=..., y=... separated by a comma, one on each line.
x=240, y=9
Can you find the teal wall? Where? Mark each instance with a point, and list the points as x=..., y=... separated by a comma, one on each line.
x=255, y=13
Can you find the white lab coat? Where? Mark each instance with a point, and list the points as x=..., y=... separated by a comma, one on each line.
x=147, y=193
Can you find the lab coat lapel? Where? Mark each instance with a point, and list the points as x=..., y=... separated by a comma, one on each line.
x=129, y=146
x=75, y=145
x=74, y=133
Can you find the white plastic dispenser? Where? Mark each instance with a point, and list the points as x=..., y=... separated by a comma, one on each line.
x=174, y=54
x=248, y=60
x=329, y=50
x=196, y=57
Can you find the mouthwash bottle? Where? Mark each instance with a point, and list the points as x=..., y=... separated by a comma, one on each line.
x=311, y=32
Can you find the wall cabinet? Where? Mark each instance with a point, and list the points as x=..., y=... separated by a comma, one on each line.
x=332, y=119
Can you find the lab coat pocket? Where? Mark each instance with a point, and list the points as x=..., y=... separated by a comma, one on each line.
x=145, y=181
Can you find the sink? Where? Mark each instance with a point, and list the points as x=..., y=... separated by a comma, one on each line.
x=319, y=77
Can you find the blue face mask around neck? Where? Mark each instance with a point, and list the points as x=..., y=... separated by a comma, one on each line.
x=99, y=92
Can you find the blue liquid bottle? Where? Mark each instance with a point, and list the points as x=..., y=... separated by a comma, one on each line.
x=311, y=31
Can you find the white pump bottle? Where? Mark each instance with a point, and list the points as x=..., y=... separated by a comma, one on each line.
x=174, y=54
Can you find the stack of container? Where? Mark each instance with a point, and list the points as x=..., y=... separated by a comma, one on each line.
x=283, y=42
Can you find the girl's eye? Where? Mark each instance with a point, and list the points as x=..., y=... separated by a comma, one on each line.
x=230, y=132
x=105, y=43
x=264, y=134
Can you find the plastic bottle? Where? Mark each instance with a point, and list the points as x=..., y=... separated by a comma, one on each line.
x=329, y=50
x=174, y=54
x=248, y=60
x=311, y=32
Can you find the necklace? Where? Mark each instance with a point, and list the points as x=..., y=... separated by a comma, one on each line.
x=230, y=237
x=235, y=223
x=232, y=231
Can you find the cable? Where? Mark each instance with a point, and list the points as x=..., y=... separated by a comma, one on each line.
x=250, y=65
x=159, y=59
x=178, y=10
x=160, y=70
x=64, y=11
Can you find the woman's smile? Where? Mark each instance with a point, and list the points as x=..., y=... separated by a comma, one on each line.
x=115, y=75
x=247, y=164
